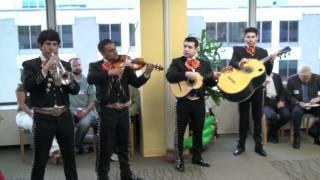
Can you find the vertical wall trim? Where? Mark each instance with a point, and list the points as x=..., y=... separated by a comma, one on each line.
x=252, y=13
x=51, y=14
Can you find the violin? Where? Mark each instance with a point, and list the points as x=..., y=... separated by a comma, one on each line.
x=124, y=60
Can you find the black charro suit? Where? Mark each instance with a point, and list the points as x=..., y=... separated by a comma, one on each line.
x=271, y=109
x=255, y=100
x=192, y=111
x=113, y=125
x=295, y=92
x=45, y=94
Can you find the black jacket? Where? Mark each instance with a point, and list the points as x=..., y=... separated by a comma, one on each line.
x=240, y=52
x=108, y=88
x=294, y=88
x=177, y=70
x=35, y=83
x=280, y=90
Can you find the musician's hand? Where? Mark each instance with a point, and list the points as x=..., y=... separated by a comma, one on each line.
x=216, y=75
x=243, y=61
x=190, y=75
x=315, y=100
x=116, y=72
x=53, y=60
x=226, y=69
x=280, y=104
x=149, y=69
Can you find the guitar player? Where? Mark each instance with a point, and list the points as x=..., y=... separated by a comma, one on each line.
x=190, y=108
x=240, y=56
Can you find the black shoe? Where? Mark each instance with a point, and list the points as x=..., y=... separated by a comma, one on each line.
x=239, y=150
x=131, y=177
x=260, y=151
x=316, y=141
x=179, y=166
x=200, y=162
x=296, y=143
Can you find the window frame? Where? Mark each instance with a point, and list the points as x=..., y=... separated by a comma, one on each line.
x=31, y=44
x=109, y=27
x=62, y=37
x=288, y=34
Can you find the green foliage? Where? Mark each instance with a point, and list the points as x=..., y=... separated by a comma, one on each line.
x=209, y=50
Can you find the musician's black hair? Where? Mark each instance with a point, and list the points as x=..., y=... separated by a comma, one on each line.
x=104, y=42
x=192, y=39
x=48, y=34
x=251, y=29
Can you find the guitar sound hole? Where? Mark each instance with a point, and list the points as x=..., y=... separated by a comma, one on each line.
x=191, y=81
x=248, y=70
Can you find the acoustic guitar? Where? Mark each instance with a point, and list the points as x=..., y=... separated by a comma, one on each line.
x=182, y=88
x=238, y=85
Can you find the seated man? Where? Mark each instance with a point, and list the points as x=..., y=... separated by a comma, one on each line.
x=274, y=107
x=304, y=91
x=24, y=119
x=82, y=105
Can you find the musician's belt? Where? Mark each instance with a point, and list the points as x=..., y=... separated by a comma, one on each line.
x=193, y=98
x=51, y=111
x=118, y=105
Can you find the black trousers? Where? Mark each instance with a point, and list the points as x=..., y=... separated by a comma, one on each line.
x=256, y=101
x=297, y=113
x=275, y=122
x=113, y=131
x=192, y=112
x=45, y=127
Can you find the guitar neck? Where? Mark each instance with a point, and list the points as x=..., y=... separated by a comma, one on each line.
x=265, y=59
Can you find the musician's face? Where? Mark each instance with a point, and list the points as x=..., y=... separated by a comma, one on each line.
x=49, y=47
x=189, y=49
x=251, y=39
x=110, y=52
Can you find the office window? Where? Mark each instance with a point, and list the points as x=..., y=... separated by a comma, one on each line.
x=289, y=31
x=211, y=29
x=110, y=31
x=236, y=32
x=217, y=31
x=33, y=3
x=132, y=32
x=65, y=33
x=27, y=36
x=287, y=68
x=265, y=33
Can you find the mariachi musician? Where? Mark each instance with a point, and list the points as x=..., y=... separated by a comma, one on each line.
x=111, y=80
x=240, y=56
x=190, y=108
x=49, y=82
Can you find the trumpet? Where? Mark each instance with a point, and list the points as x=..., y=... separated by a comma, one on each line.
x=61, y=75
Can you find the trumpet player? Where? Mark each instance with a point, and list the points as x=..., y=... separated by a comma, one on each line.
x=49, y=83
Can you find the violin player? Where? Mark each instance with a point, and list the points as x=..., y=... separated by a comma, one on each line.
x=114, y=99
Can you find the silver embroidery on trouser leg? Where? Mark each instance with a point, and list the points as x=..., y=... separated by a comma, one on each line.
x=98, y=143
x=34, y=141
x=176, y=143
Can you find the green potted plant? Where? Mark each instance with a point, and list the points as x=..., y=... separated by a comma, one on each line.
x=209, y=50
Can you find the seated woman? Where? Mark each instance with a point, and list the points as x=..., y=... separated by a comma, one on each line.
x=24, y=120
